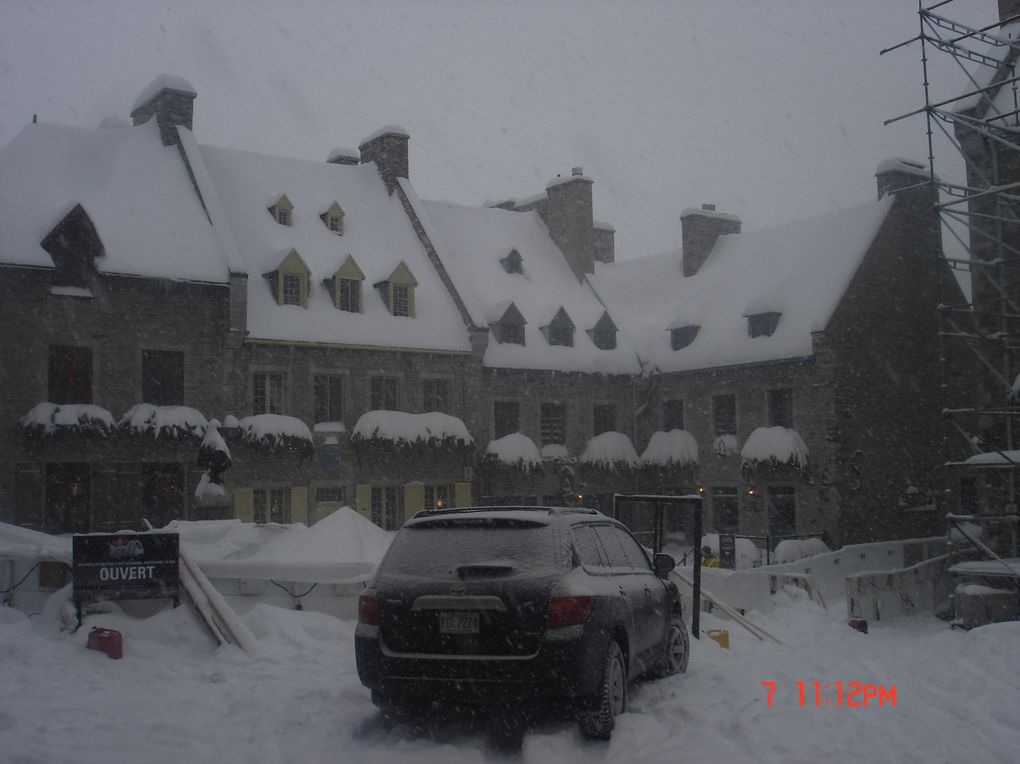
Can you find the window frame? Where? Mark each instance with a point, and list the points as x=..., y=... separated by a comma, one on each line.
x=438, y=398
x=671, y=416
x=504, y=410
x=158, y=387
x=334, y=399
x=717, y=419
x=274, y=385
x=384, y=389
x=548, y=424
x=70, y=374
x=599, y=414
x=779, y=407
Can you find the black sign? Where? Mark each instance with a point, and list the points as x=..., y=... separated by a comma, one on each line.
x=727, y=551
x=119, y=566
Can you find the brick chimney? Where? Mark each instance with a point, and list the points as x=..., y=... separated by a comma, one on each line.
x=388, y=149
x=1007, y=10
x=895, y=175
x=568, y=215
x=170, y=99
x=701, y=229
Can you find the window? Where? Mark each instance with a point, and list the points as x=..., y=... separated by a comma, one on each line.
x=682, y=336
x=283, y=216
x=163, y=377
x=70, y=374
x=335, y=224
x=439, y=497
x=401, y=300
x=384, y=393
x=387, y=507
x=512, y=333
x=281, y=211
x=781, y=408
x=267, y=393
x=588, y=548
x=673, y=415
x=331, y=494
x=350, y=295
x=506, y=418
x=513, y=263
x=561, y=334
x=724, y=414
x=271, y=505
x=782, y=512
x=604, y=338
x=436, y=395
x=762, y=324
x=290, y=289
x=603, y=418
x=554, y=423
x=725, y=513
x=328, y=390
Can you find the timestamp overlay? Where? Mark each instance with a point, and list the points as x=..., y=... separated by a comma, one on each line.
x=832, y=694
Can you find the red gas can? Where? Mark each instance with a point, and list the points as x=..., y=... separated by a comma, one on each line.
x=107, y=641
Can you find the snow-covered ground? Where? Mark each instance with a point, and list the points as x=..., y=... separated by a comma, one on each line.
x=174, y=697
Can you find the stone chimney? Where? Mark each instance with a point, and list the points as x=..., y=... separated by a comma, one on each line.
x=170, y=99
x=1007, y=10
x=344, y=156
x=895, y=175
x=568, y=215
x=388, y=149
x=701, y=229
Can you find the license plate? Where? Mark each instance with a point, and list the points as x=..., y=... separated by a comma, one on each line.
x=458, y=622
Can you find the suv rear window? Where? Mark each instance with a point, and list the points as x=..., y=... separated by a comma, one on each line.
x=440, y=546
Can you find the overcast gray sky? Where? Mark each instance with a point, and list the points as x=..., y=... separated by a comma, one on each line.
x=771, y=110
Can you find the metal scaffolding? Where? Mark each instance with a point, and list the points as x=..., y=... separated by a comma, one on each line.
x=979, y=338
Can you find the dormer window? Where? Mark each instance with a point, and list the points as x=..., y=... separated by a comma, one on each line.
x=513, y=263
x=682, y=336
x=345, y=286
x=282, y=211
x=398, y=291
x=762, y=324
x=560, y=331
x=604, y=333
x=334, y=219
x=289, y=281
x=509, y=329
x=74, y=245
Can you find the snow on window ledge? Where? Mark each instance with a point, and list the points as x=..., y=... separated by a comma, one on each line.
x=167, y=422
x=277, y=432
x=77, y=418
x=400, y=428
x=673, y=448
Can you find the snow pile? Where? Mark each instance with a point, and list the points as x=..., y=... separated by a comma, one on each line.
x=673, y=447
x=775, y=445
x=610, y=450
x=791, y=550
x=276, y=431
x=174, y=422
x=408, y=429
x=515, y=450
x=341, y=536
x=84, y=418
x=27, y=544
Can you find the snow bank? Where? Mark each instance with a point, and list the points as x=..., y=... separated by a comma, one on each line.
x=791, y=550
x=515, y=450
x=673, y=447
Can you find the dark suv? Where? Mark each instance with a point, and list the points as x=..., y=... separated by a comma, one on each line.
x=515, y=606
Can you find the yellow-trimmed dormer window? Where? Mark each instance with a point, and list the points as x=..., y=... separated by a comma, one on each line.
x=282, y=211
x=345, y=286
x=289, y=281
x=334, y=219
x=398, y=291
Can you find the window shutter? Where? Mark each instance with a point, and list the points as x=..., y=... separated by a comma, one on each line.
x=462, y=495
x=299, y=504
x=363, y=498
x=243, y=504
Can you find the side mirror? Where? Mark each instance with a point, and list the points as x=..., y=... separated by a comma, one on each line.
x=663, y=564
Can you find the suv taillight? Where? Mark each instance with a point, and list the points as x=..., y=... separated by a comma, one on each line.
x=368, y=610
x=568, y=611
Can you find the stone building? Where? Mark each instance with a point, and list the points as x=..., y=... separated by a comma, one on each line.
x=195, y=332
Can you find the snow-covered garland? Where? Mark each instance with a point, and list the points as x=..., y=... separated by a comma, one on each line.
x=277, y=432
x=514, y=452
x=774, y=447
x=398, y=429
x=47, y=420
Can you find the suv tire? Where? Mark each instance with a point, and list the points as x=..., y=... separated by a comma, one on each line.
x=612, y=697
x=678, y=650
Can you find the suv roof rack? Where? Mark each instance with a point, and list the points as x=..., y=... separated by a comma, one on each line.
x=507, y=508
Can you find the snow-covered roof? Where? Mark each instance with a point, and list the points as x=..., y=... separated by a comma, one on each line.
x=472, y=241
x=377, y=233
x=800, y=270
x=135, y=190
